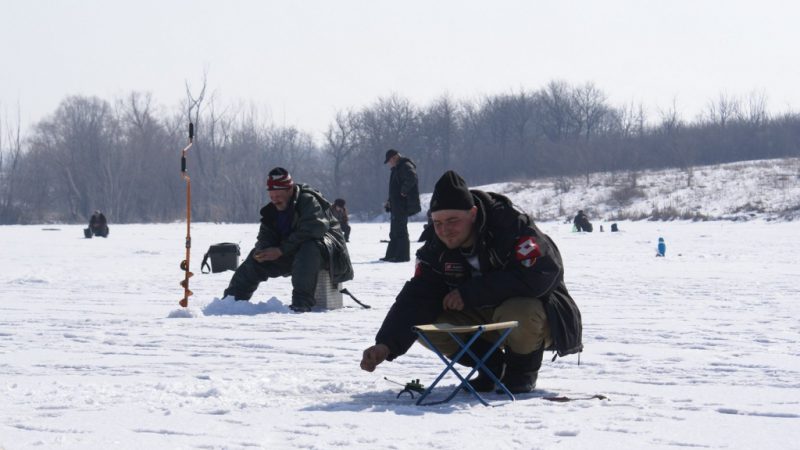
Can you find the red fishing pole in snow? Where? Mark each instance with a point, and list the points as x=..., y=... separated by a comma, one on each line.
x=185, y=263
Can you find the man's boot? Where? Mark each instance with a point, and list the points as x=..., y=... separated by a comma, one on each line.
x=483, y=382
x=522, y=371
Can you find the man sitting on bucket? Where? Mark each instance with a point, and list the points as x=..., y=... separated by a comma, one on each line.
x=488, y=262
x=298, y=236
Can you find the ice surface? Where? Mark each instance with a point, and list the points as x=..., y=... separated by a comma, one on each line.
x=698, y=349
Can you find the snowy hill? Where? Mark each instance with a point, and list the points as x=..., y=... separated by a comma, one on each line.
x=768, y=189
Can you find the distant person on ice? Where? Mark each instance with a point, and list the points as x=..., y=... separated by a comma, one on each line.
x=487, y=262
x=661, y=248
x=581, y=222
x=339, y=211
x=298, y=236
x=403, y=202
x=98, y=225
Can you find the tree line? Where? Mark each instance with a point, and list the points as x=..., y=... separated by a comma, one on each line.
x=122, y=156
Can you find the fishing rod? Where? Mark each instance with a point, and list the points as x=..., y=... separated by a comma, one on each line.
x=185, y=263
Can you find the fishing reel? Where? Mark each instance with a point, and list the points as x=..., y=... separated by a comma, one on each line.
x=410, y=387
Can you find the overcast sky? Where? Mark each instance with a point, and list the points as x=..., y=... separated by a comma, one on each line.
x=301, y=61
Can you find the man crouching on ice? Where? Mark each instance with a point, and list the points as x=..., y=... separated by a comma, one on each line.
x=487, y=263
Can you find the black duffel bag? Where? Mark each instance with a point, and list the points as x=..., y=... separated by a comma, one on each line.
x=224, y=256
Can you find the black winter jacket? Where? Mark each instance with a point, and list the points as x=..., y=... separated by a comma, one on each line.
x=581, y=222
x=312, y=220
x=516, y=260
x=403, y=188
x=98, y=221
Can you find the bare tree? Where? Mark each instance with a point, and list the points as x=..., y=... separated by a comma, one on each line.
x=340, y=143
x=755, y=113
x=79, y=142
x=149, y=187
x=723, y=110
x=590, y=109
x=671, y=130
x=559, y=121
x=627, y=148
x=439, y=129
x=10, y=158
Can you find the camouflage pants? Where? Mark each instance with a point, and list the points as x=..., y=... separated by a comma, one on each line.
x=303, y=266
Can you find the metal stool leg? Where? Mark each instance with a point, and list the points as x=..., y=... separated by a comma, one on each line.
x=450, y=366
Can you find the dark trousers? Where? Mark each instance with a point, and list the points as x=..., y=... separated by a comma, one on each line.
x=399, y=247
x=100, y=230
x=303, y=266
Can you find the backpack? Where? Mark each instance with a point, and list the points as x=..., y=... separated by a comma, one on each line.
x=224, y=256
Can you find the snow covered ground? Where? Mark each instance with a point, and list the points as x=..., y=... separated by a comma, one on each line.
x=698, y=349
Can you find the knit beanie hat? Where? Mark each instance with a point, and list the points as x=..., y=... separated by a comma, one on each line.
x=279, y=179
x=451, y=192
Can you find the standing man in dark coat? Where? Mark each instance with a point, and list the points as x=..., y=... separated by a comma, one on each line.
x=403, y=202
x=488, y=262
x=298, y=236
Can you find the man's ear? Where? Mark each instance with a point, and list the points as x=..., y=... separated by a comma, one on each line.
x=473, y=213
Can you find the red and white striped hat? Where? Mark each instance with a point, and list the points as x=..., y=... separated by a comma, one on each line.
x=279, y=179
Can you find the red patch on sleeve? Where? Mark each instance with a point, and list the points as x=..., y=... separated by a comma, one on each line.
x=527, y=250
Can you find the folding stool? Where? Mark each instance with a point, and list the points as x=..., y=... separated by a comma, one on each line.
x=453, y=331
